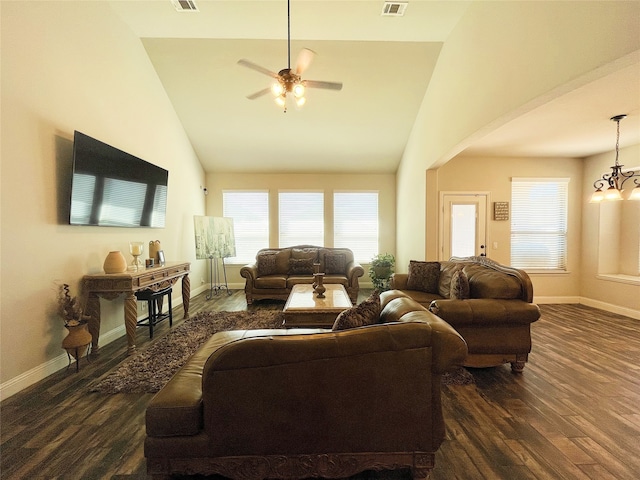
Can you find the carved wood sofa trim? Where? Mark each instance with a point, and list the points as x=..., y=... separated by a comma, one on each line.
x=290, y=467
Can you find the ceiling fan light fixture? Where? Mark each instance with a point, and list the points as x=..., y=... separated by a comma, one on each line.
x=300, y=101
x=289, y=80
x=277, y=89
x=298, y=90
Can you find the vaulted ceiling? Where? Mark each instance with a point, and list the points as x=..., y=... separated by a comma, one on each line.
x=385, y=64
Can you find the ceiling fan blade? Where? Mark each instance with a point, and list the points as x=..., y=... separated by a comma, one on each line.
x=321, y=84
x=257, y=68
x=262, y=92
x=304, y=60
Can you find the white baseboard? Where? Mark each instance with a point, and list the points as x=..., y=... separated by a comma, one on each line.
x=589, y=302
x=627, y=312
x=28, y=378
x=543, y=300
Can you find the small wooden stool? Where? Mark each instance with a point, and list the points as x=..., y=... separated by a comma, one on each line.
x=154, y=307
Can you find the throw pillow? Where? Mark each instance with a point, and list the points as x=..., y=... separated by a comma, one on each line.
x=423, y=276
x=367, y=313
x=335, y=263
x=300, y=266
x=266, y=264
x=459, y=285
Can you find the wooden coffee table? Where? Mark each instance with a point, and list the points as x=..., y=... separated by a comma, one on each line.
x=305, y=309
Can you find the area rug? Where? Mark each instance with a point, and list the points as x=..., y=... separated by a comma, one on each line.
x=153, y=367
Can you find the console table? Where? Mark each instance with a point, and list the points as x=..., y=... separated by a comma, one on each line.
x=111, y=285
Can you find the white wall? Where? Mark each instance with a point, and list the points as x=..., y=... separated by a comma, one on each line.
x=67, y=66
x=503, y=59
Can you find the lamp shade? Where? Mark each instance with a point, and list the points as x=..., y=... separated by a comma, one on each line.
x=612, y=193
x=597, y=196
x=635, y=193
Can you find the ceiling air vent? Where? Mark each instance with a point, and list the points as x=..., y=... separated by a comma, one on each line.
x=185, y=5
x=394, y=9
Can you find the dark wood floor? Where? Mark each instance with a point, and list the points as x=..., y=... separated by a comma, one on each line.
x=573, y=414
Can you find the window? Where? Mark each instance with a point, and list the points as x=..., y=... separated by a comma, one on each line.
x=539, y=223
x=301, y=218
x=250, y=213
x=355, y=223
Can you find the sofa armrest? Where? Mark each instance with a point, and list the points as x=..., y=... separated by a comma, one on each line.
x=250, y=272
x=399, y=281
x=353, y=271
x=485, y=311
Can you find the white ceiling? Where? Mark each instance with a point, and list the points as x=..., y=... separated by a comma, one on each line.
x=385, y=65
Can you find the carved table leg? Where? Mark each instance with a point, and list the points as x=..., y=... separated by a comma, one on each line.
x=130, y=321
x=92, y=309
x=186, y=294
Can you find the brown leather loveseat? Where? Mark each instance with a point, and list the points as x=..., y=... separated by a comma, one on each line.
x=298, y=403
x=493, y=313
x=277, y=270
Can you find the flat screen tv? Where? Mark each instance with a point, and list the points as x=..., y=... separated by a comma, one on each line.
x=112, y=188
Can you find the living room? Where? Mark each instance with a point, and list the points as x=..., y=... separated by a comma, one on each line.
x=78, y=65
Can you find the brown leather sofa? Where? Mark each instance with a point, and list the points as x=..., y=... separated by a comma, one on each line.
x=495, y=319
x=298, y=403
x=277, y=270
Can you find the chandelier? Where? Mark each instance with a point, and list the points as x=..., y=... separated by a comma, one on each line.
x=617, y=178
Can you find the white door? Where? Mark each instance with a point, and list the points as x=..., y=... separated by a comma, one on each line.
x=464, y=225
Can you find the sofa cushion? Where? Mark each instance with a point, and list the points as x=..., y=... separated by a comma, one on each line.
x=281, y=257
x=271, y=281
x=299, y=279
x=300, y=266
x=366, y=313
x=447, y=269
x=335, y=263
x=459, y=285
x=423, y=276
x=488, y=283
x=266, y=263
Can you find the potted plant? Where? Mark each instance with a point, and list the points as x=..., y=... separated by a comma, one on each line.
x=380, y=270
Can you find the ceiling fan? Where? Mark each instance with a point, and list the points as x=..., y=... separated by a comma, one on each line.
x=288, y=81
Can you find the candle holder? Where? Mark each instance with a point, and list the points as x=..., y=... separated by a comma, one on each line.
x=136, y=249
x=319, y=287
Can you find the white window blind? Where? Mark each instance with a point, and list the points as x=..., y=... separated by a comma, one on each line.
x=250, y=213
x=539, y=223
x=355, y=223
x=301, y=218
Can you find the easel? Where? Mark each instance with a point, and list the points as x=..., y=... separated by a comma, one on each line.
x=214, y=277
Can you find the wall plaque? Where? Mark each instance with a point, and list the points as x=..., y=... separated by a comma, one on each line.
x=501, y=210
